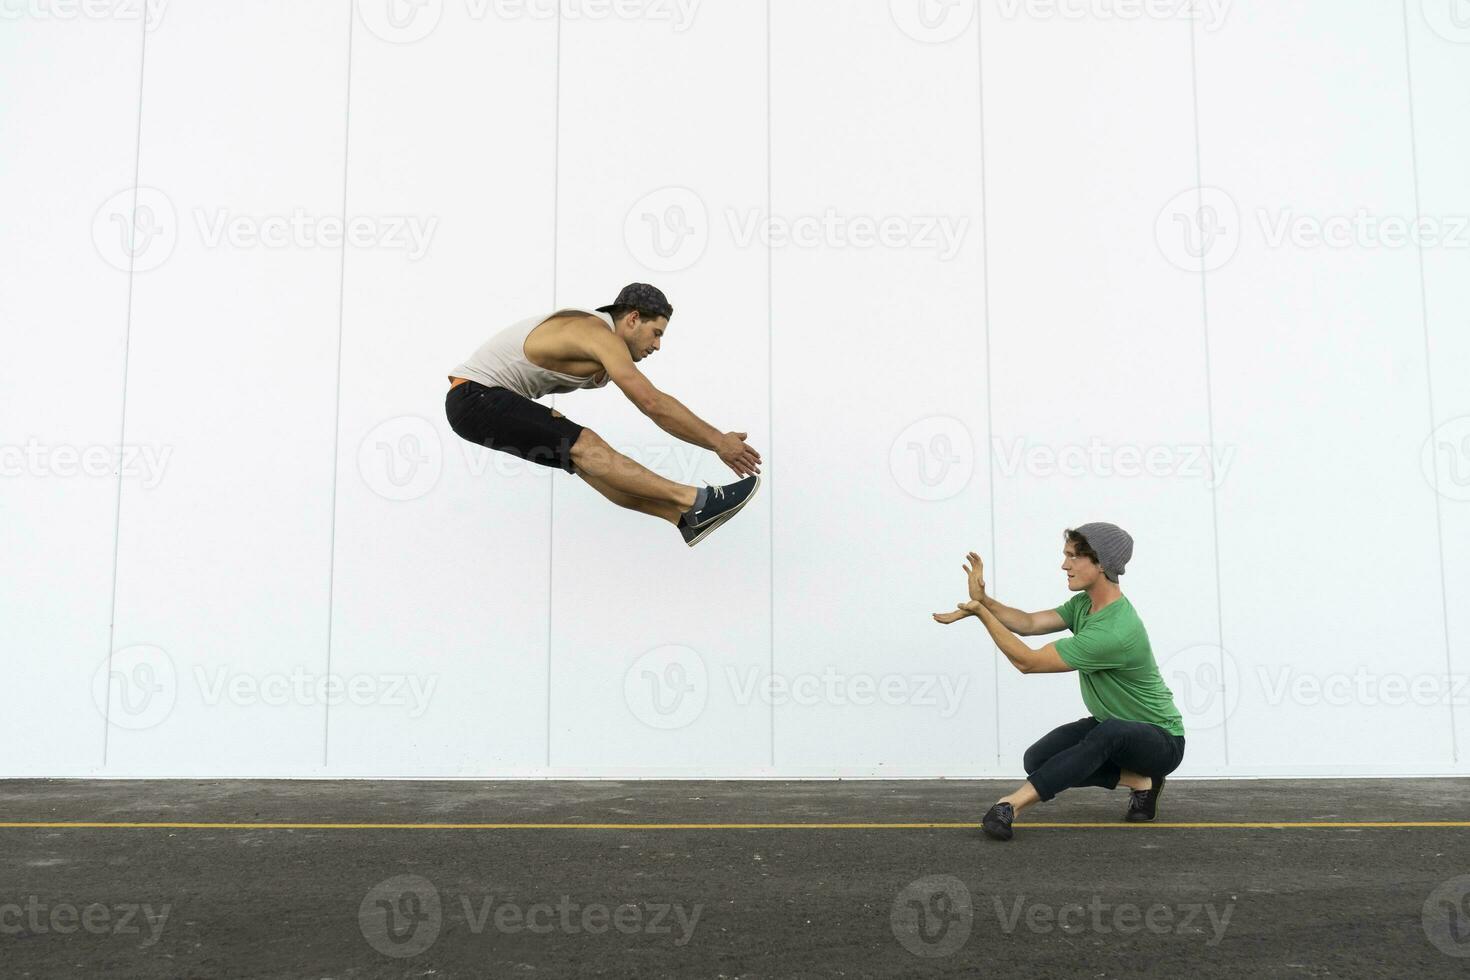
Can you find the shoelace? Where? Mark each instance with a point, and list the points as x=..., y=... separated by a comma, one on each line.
x=717, y=493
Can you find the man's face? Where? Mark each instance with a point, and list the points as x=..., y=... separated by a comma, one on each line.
x=1082, y=573
x=644, y=336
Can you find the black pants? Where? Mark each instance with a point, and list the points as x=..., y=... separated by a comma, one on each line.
x=498, y=418
x=1088, y=752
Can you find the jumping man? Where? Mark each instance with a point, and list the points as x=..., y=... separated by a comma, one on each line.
x=1134, y=735
x=491, y=402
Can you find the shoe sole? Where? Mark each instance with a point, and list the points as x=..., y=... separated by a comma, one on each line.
x=705, y=529
x=736, y=510
x=715, y=522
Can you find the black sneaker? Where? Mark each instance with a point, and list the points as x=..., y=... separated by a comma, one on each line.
x=694, y=535
x=1144, y=803
x=722, y=502
x=997, y=822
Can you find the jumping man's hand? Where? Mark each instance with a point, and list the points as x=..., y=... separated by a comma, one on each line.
x=740, y=457
x=975, y=569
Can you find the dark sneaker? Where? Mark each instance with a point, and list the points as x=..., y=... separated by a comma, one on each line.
x=694, y=535
x=723, y=502
x=997, y=822
x=1144, y=803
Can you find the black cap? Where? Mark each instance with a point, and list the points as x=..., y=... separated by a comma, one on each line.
x=642, y=296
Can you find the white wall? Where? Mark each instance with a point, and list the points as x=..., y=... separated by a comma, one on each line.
x=1090, y=270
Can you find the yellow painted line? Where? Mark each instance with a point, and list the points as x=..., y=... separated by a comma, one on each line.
x=1022, y=825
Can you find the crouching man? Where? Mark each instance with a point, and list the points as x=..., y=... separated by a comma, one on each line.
x=1133, y=734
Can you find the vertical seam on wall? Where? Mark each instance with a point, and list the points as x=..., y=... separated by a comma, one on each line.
x=1429, y=380
x=770, y=386
x=1209, y=398
x=985, y=314
x=551, y=483
x=337, y=418
x=122, y=424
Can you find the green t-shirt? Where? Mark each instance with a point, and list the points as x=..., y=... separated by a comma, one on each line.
x=1115, y=665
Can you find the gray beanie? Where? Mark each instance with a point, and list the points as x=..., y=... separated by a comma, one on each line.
x=1114, y=546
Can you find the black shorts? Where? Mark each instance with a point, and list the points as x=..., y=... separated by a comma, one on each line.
x=498, y=418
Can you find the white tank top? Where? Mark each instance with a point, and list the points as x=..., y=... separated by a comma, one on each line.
x=501, y=362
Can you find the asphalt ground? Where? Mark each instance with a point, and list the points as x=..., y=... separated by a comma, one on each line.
x=1271, y=878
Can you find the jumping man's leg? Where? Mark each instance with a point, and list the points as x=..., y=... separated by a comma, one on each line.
x=594, y=457
x=657, y=508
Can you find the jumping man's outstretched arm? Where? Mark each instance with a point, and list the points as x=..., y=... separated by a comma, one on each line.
x=666, y=411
